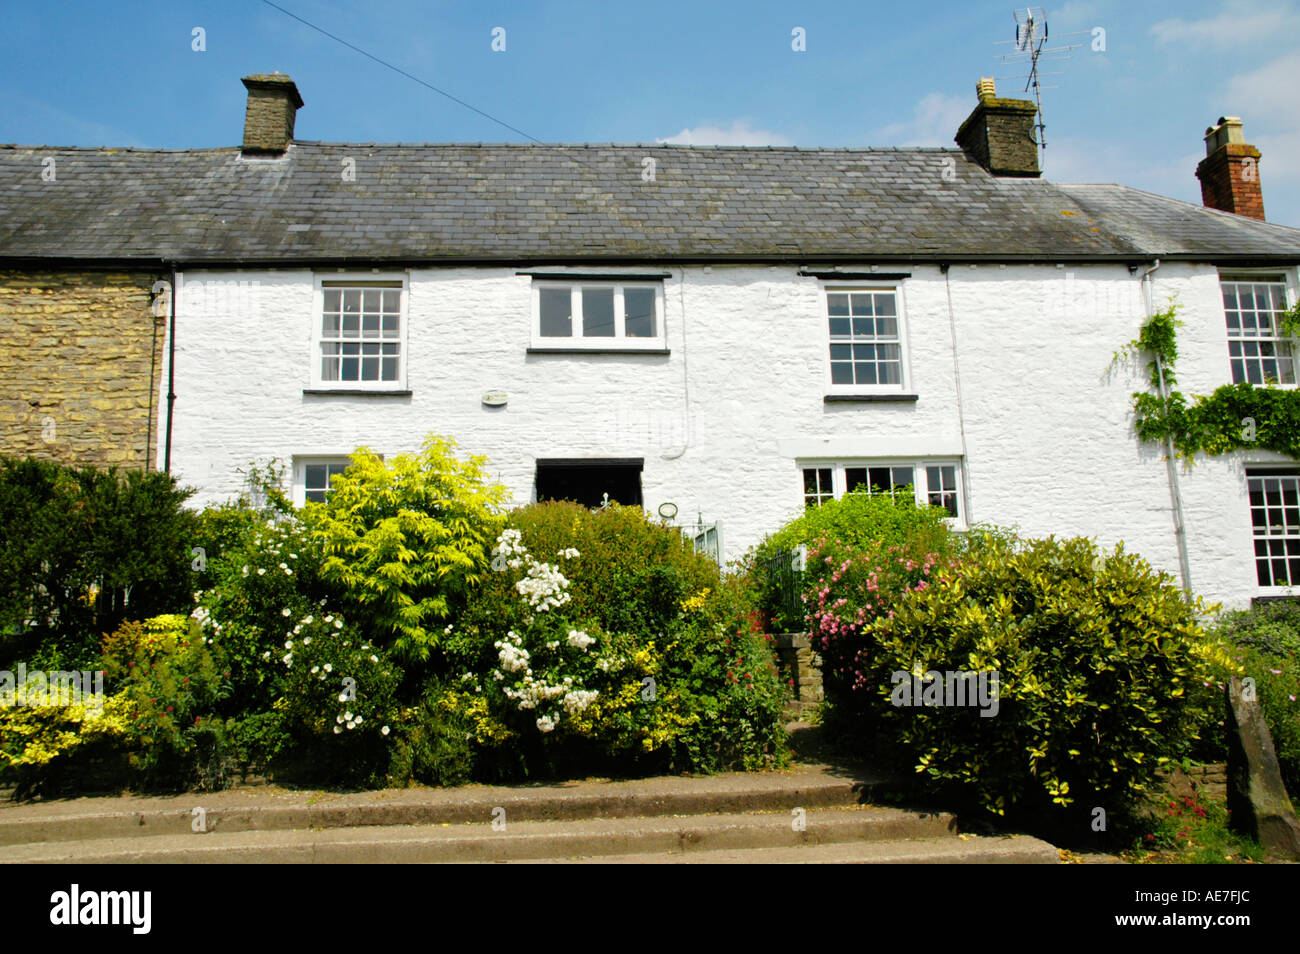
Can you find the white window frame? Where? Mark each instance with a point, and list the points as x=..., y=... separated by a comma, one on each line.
x=1289, y=295
x=399, y=280
x=839, y=477
x=300, y=463
x=576, y=340
x=904, y=386
x=1288, y=539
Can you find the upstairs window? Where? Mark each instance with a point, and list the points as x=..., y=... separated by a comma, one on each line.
x=360, y=335
x=598, y=315
x=866, y=340
x=1257, y=350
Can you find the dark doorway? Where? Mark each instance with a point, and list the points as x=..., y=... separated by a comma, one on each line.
x=588, y=481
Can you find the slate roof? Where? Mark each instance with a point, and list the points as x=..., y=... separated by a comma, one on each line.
x=509, y=203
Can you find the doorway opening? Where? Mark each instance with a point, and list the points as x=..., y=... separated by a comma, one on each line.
x=588, y=481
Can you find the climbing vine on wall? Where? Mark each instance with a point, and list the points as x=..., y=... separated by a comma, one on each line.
x=1234, y=416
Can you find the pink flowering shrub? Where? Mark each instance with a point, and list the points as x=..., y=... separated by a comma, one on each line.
x=851, y=587
x=1091, y=669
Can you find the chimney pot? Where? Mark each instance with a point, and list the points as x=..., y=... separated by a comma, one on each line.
x=273, y=104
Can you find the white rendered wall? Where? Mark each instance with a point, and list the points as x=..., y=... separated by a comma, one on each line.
x=723, y=420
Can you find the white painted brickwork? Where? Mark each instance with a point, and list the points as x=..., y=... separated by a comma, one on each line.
x=722, y=421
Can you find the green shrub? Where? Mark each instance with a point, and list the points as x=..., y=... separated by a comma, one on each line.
x=336, y=683
x=168, y=673
x=80, y=550
x=265, y=577
x=222, y=529
x=1266, y=643
x=406, y=541
x=432, y=743
x=1103, y=673
x=852, y=523
x=600, y=642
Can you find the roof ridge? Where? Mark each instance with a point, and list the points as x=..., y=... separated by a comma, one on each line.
x=633, y=145
x=114, y=149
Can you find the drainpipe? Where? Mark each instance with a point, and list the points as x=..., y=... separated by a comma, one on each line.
x=171, y=374
x=686, y=377
x=961, y=414
x=1171, y=467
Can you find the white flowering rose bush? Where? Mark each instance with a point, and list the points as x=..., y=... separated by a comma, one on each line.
x=543, y=666
x=269, y=576
x=338, y=690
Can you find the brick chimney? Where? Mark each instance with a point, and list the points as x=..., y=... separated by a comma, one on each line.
x=273, y=102
x=1229, y=173
x=999, y=133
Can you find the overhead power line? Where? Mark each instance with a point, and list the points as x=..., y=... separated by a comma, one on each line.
x=398, y=69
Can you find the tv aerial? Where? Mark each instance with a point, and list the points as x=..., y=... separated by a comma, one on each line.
x=1030, y=46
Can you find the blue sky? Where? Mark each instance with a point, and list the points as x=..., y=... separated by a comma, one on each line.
x=873, y=74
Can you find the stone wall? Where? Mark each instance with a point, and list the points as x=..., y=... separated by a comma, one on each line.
x=999, y=135
x=80, y=366
x=799, y=668
x=1209, y=780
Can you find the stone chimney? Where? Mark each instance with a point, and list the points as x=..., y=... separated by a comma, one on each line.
x=999, y=133
x=273, y=102
x=1229, y=173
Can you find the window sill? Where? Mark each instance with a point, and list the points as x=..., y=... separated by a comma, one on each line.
x=579, y=350
x=353, y=392
x=871, y=398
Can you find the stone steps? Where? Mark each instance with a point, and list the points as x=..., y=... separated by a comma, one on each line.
x=811, y=815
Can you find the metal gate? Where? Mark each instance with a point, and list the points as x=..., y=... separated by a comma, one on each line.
x=706, y=538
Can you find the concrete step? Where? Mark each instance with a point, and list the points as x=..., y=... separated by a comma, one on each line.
x=266, y=808
x=967, y=849
x=596, y=839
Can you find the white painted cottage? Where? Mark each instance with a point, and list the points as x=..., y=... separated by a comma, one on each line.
x=732, y=333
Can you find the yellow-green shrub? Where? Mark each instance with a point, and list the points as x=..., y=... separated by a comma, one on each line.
x=1104, y=674
x=36, y=735
x=406, y=540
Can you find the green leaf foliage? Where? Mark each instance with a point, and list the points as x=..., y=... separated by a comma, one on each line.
x=853, y=522
x=1234, y=416
x=407, y=541
x=80, y=548
x=1265, y=642
x=1102, y=672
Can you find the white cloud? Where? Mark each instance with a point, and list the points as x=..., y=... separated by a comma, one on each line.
x=934, y=122
x=740, y=134
x=1239, y=22
x=1267, y=94
x=1074, y=13
x=1069, y=159
x=1265, y=100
